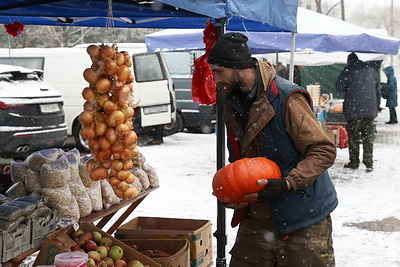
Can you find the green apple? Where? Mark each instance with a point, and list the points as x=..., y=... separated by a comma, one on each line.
x=134, y=263
x=76, y=233
x=97, y=237
x=91, y=261
x=102, y=250
x=115, y=253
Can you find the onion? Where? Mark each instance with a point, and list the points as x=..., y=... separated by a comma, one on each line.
x=126, y=154
x=122, y=186
x=128, y=112
x=101, y=116
x=109, y=106
x=89, y=94
x=106, y=52
x=106, y=164
x=98, y=173
x=128, y=164
x=94, y=144
x=121, y=175
x=89, y=106
x=113, y=181
x=117, y=147
x=115, y=118
x=86, y=117
x=88, y=133
x=101, y=99
x=111, y=135
x=117, y=165
x=130, y=179
x=102, y=85
x=123, y=73
x=90, y=75
x=100, y=128
x=122, y=129
x=110, y=66
x=130, y=139
x=130, y=192
x=104, y=143
x=119, y=59
x=93, y=50
x=103, y=155
x=119, y=193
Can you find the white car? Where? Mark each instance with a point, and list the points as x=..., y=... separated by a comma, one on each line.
x=31, y=113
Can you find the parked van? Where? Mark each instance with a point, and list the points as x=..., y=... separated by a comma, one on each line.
x=191, y=115
x=31, y=113
x=63, y=69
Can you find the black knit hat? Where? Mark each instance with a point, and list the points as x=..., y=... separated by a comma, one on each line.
x=231, y=50
x=352, y=58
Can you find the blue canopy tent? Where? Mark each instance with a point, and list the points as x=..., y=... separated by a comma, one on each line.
x=315, y=32
x=151, y=14
x=235, y=15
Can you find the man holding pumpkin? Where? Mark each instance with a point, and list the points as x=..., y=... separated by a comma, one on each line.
x=268, y=116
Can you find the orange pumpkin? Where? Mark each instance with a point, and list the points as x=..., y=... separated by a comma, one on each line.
x=232, y=182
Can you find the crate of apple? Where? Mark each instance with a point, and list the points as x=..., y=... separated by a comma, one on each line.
x=101, y=250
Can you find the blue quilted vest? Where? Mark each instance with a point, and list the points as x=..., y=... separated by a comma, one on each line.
x=293, y=210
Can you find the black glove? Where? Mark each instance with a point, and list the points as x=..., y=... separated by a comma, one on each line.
x=275, y=187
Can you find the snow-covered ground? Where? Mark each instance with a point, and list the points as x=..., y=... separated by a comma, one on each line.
x=186, y=164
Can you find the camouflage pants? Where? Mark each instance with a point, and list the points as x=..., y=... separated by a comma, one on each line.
x=257, y=246
x=364, y=130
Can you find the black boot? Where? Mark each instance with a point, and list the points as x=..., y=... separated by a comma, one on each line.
x=393, y=116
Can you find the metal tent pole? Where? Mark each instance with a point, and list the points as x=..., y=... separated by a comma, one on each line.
x=220, y=233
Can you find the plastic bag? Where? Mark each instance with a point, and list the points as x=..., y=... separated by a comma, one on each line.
x=204, y=90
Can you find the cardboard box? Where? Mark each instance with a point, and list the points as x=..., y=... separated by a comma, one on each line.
x=179, y=249
x=198, y=232
x=51, y=248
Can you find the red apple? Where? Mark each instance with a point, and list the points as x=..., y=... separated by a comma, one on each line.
x=94, y=255
x=75, y=247
x=109, y=261
x=86, y=236
x=120, y=263
x=101, y=264
x=106, y=241
x=89, y=245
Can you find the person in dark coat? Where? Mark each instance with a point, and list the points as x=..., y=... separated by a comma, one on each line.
x=268, y=116
x=391, y=87
x=360, y=83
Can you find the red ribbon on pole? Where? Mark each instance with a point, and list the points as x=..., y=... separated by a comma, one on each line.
x=14, y=29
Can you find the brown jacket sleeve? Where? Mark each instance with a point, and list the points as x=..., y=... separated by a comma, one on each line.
x=310, y=139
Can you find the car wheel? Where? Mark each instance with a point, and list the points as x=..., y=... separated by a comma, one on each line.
x=80, y=143
x=175, y=126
